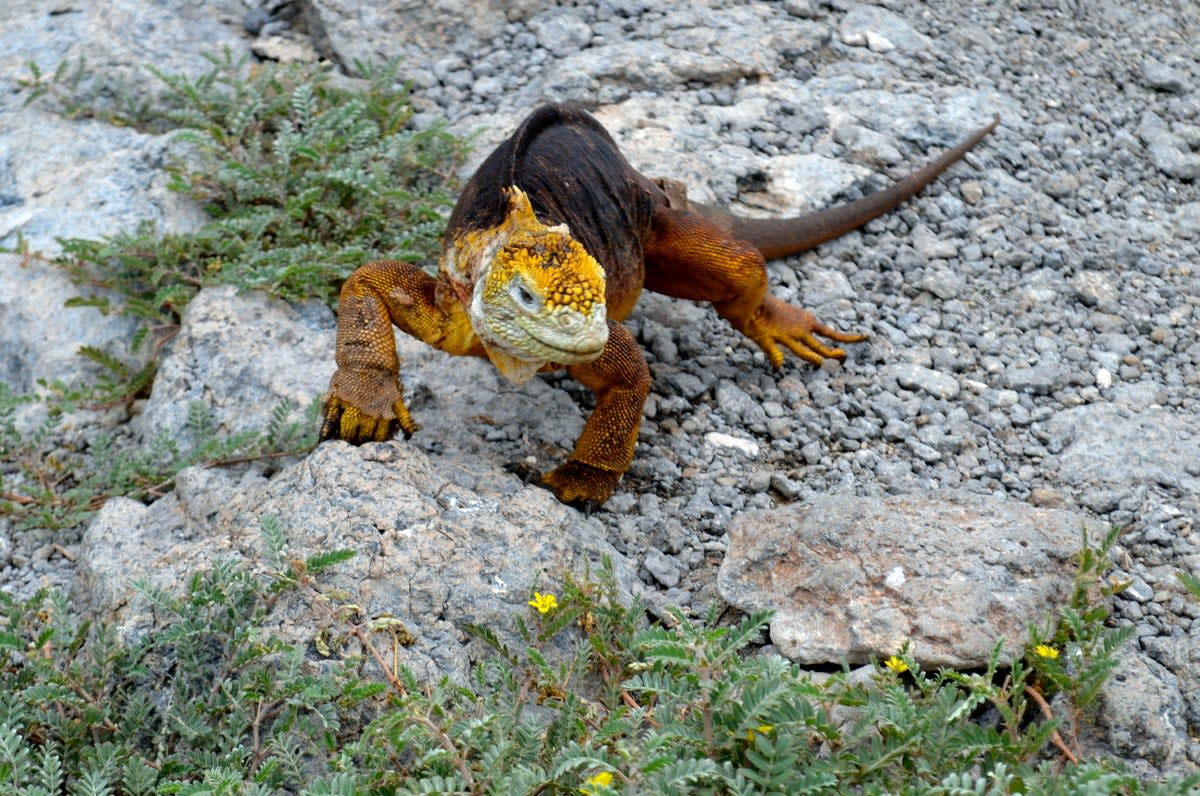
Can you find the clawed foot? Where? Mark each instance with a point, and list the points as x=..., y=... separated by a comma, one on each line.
x=581, y=485
x=577, y=484
x=365, y=406
x=779, y=323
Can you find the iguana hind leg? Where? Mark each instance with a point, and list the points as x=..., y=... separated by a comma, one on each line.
x=690, y=256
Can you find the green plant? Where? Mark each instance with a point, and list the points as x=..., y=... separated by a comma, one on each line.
x=690, y=709
x=304, y=180
x=1075, y=654
x=592, y=701
x=79, y=92
x=1190, y=582
x=65, y=488
x=206, y=703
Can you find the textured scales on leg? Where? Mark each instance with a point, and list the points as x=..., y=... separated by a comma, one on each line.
x=691, y=256
x=547, y=250
x=365, y=400
x=620, y=379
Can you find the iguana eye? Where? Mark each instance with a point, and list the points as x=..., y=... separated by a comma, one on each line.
x=524, y=296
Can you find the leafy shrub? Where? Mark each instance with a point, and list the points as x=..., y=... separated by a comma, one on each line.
x=207, y=703
x=304, y=178
x=204, y=701
x=64, y=489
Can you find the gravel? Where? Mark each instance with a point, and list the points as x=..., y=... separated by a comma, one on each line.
x=1032, y=316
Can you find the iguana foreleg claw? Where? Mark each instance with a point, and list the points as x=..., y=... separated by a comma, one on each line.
x=574, y=483
x=581, y=485
x=365, y=406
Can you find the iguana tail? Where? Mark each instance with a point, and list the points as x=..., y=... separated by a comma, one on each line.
x=779, y=237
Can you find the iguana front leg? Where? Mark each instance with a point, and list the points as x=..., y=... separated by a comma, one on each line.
x=365, y=401
x=620, y=379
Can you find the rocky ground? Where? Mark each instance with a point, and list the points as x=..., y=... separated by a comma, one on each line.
x=1032, y=316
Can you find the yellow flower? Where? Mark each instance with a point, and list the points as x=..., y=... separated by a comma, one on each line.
x=761, y=729
x=545, y=603
x=1046, y=651
x=597, y=781
x=896, y=665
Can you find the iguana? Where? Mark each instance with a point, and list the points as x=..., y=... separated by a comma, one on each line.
x=545, y=253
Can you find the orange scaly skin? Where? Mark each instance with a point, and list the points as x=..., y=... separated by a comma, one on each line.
x=547, y=250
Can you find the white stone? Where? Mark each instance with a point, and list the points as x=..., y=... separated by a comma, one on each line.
x=719, y=440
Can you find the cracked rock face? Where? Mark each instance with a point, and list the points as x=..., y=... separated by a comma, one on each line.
x=857, y=578
x=438, y=545
x=1031, y=316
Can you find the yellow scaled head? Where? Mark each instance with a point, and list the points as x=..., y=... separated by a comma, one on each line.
x=539, y=296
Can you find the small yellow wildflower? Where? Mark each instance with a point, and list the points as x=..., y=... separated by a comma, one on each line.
x=896, y=665
x=545, y=603
x=761, y=729
x=597, y=781
x=1046, y=651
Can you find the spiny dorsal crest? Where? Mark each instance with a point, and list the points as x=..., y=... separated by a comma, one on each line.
x=564, y=273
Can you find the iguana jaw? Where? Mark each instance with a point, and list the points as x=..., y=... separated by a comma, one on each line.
x=521, y=336
x=536, y=296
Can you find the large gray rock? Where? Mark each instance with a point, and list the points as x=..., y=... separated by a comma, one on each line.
x=440, y=543
x=241, y=355
x=880, y=30
x=1169, y=150
x=586, y=75
x=1142, y=714
x=84, y=178
x=443, y=540
x=1119, y=446
x=40, y=338
x=464, y=406
x=798, y=184
x=851, y=578
x=418, y=32
x=117, y=39
x=1181, y=655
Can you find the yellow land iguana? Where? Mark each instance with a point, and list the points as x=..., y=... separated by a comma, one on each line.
x=545, y=253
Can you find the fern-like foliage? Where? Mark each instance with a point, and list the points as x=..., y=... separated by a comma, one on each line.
x=206, y=701
x=82, y=480
x=304, y=179
x=688, y=708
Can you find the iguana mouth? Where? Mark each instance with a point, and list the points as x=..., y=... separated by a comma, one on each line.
x=583, y=350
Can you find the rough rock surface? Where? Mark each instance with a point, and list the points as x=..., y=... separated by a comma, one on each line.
x=1153, y=445
x=82, y=178
x=1032, y=315
x=1144, y=716
x=438, y=544
x=39, y=336
x=241, y=357
x=857, y=578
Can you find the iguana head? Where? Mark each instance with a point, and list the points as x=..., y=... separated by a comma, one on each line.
x=538, y=296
